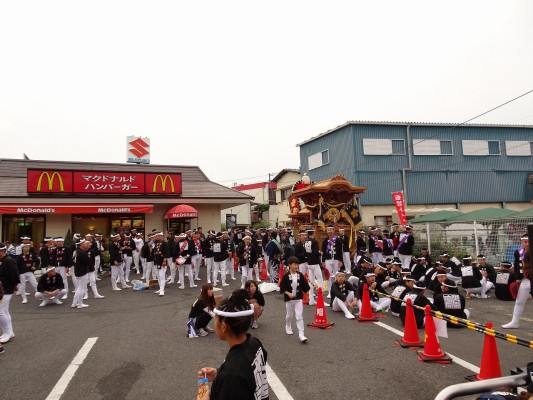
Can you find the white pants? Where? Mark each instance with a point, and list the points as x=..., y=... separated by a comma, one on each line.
x=521, y=299
x=229, y=267
x=339, y=305
x=97, y=264
x=302, y=267
x=294, y=308
x=92, y=282
x=196, y=261
x=219, y=266
x=161, y=278
x=143, y=265
x=247, y=274
x=81, y=290
x=315, y=273
x=377, y=258
x=173, y=269
x=117, y=274
x=63, y=272
x=406, y=261
x=354, y=280
x=5, y=316
x=186, y=268
x=149, y=271
x=136, y=258
x=128, y=260
x=347, y=262
x=29, y=277
x=383, y=302
x=333, y=268
x=209, y=265
x=48, y=300
x=453, y=278
x=483, y=289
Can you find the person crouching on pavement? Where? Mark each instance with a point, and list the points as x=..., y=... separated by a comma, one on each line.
x=50, y=288
x=293, y=285
x=256, y=298
x=202, y=310
x=343, y=295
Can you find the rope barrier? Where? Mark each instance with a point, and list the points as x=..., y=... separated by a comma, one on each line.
x=474, y=326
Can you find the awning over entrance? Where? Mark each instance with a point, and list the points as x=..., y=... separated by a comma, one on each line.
x=75, y=208
x=181, y=211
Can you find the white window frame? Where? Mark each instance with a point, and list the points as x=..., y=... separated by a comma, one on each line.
x=381, y=147
x=430, y=147
x=451, y=146
x=314, y=161
x=518, y=148
x=499, y=147
x=475, y=147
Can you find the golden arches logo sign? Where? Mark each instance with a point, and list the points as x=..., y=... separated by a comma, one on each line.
x=50, y=179
x=163, y=183
x=46, y=181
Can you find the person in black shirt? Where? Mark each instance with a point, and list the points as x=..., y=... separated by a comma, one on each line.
x=312, y=255
x=406, y=246
x=345, y=241
x=417, y=299
x=343, y=295
x=82, y=267
x=247, y=258
x=451, y=302
x=502, y=281
x=27, y=262
x=50, y=288
x=202, y=310
x=242, y=375
x=116, y=263
x=256, y=298
x=9, y=278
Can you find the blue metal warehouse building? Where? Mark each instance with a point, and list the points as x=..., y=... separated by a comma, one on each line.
x=438, y=166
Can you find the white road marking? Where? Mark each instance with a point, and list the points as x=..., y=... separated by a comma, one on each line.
x=62, y=383
x=277, y=387
x=457, y=360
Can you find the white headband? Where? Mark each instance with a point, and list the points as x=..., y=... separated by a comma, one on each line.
x=235, y=314
x=3, y=248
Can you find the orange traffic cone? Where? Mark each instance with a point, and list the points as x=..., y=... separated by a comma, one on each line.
x=432, y=351
x=264, y=275
x=280, y=272
x=410, y=332
x=321, y=319
x=306, y=297
x=490, y=362
x=365, y=314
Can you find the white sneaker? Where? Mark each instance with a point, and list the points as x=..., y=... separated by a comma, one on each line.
x=83, y=306
x=27, y=294
x=181, y=287
x=64, y=297
x=225, y=284
x=255, y=325
x=232, y=278
x=57, y=301
x=303, y=339
x=6, y=337
x=117, y=288
x=161, y=293
x=98, y=279
x=24, y=301
x=197, y=279
x=510, y=325
x=312, y=303
x=98, y=296
x=125, y=286
x=202, y=332
x=157, y=291
x=193, y=286
x=86, y=296
x=44, y=302
x=288, y=331
x=349, y=316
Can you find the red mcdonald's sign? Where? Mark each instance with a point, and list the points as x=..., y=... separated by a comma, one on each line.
x=103, y=182
x=49, y=181
x=163, y=183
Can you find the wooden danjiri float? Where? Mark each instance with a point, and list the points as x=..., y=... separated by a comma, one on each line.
x=315, y=205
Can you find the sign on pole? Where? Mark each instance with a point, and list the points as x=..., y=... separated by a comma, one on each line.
x=138, y=150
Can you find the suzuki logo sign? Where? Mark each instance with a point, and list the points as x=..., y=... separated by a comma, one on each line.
x=138, y=150
x=163, y=183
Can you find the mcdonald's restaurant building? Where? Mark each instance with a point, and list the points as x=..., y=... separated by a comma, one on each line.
x=47, y=198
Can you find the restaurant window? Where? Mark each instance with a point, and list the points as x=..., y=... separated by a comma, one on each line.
x=84, y=223
x=16, y=226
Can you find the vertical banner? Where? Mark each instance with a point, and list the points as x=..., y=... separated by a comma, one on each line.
x=397, y=198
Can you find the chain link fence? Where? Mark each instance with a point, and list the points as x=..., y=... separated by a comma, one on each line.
x=497, y=239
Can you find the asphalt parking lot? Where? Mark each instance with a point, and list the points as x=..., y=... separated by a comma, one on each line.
x=141, y=350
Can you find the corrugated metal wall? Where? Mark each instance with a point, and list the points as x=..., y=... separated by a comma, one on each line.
x=433, y=179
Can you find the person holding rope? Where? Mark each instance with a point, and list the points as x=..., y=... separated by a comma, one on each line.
x=243, y=373
x=524, y=291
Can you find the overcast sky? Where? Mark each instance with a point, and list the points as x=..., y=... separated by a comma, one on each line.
x=233, y=86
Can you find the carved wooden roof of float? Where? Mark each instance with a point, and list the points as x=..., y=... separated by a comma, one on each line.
x=336, y=189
